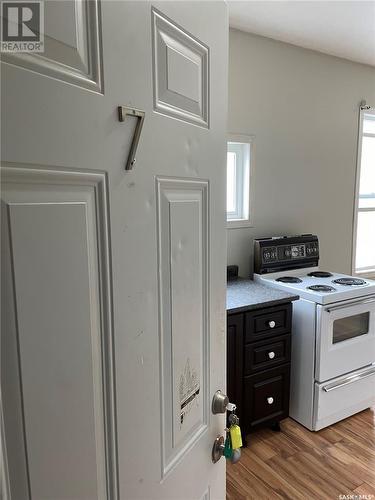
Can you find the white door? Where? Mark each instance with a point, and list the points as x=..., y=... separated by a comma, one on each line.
x=346, y=337
x=113, y=333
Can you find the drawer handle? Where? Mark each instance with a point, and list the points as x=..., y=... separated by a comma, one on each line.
x=271, y=355
x=272, y=324
x=270, y=400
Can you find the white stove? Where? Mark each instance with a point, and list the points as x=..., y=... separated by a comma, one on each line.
x=319, y=286
x=333, y=337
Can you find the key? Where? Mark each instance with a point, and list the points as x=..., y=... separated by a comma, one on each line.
x=233, y=419
x=231, y=407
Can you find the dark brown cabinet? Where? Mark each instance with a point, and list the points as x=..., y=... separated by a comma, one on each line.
x=258, y=364
x=266, y=396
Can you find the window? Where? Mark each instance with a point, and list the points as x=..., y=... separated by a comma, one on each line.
x=364, y=217
x=239, y=156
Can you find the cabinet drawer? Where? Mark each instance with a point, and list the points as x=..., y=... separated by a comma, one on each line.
x=267, y=354
x=268, y=322
x=266, y=396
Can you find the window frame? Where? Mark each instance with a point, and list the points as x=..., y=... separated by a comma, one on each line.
x=247, y=180
x=368, y=272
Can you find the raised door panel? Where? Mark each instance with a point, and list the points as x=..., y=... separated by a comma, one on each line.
x=183, y=275
x=61, y=302
x=72, y=44
x=180, y=71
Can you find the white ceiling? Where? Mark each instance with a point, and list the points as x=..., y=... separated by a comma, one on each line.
x=340, y=28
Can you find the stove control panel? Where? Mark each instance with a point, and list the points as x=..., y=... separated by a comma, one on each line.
x=289, y=252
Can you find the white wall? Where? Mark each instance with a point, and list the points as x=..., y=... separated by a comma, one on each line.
x=302, y=107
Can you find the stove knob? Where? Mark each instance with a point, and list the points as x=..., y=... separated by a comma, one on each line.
x=271, y=355
x=270, y=400
x=271, y=324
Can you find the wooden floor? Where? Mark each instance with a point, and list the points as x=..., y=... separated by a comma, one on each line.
x=298, y=464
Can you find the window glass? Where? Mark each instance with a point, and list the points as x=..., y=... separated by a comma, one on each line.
x=238, y=182
x=365, y=254
x=364, y=245
x=369, y=124
x=231, y=182
x=350, y=327
x=367, y=176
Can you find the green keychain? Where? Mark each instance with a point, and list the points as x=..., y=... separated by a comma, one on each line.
x=228, y=451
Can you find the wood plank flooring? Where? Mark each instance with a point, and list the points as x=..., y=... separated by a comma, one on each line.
x=298, y=464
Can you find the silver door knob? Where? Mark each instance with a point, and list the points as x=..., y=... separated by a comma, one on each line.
x=220, y=403
x=271, y=355
x=272, y=324
x=270, y=400
x=218, y=449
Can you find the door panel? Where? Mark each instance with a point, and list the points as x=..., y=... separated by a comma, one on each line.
x=181, y=72
x=157, y=326
x=183, y=244
x=73, y=46
x=64, y=337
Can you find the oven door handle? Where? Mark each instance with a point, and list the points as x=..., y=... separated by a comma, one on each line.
x=348, y=304
x=349, y=380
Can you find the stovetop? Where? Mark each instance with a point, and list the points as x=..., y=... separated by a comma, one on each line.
x=322, y=287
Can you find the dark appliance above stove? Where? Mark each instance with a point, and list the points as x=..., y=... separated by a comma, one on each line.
x=281, y=253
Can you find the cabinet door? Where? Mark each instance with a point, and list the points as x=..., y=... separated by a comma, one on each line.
x=266, y=396
x=235, y=327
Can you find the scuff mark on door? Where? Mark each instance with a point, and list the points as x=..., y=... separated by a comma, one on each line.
x=189, y=390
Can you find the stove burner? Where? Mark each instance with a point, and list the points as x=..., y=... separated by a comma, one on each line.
x=289, y=279
x=349, y=281
x=320, y=274
x=321, y=288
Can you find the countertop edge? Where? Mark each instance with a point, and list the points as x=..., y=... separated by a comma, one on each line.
x=261, y=305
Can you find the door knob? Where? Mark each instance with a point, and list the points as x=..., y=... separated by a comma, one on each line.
x=221, y=404
x=218, y=449
x=270, y=400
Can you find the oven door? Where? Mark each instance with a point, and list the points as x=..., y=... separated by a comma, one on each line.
x=345, y=338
